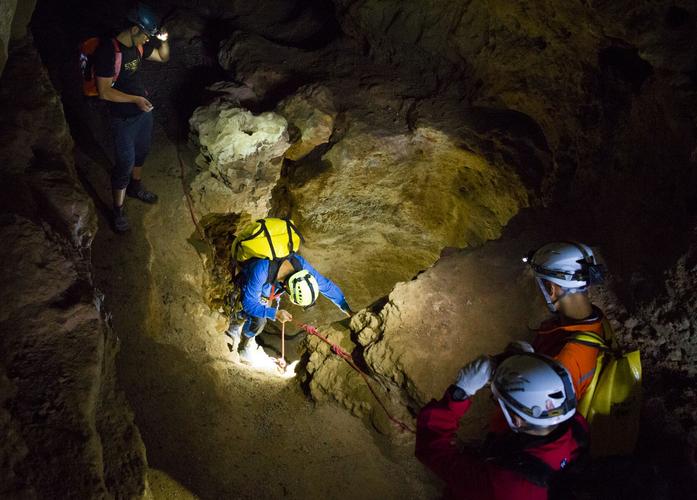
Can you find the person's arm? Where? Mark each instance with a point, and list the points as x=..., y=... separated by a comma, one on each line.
x=109, y=93
x=160, y=54
x=104, y=75
x=436, y=448
x=327, y=287
x=465, y=473
x=257, y=275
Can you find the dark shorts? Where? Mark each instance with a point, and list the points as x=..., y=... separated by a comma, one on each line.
x=132, y=138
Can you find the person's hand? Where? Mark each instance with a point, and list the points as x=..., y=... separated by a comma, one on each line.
x=162, y=35
x=143, y=104
x=282, y=315
x=474, y=375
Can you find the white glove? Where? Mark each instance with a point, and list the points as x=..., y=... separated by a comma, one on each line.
x=474, y=375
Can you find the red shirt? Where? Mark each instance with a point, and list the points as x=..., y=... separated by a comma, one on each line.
x=466, y=475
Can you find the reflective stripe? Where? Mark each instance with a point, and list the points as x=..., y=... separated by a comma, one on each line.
x=586, y=376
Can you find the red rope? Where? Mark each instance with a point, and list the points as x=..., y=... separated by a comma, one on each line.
x=336, y=349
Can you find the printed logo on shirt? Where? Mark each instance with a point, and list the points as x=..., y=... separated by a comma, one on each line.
x=132, y=66
x=564, y=463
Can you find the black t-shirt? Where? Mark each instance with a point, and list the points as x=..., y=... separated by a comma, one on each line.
x=130, y=80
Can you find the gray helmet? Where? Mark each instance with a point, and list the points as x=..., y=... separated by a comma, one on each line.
x=536, y=388
x=143, y=16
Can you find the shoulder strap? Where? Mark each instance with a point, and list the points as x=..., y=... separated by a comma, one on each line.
x=275, y=266
x=295, y=262
x=589, y=339
x=117, y=59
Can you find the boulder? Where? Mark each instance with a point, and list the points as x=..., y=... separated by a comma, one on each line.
x=241, y=153
x=311, y=113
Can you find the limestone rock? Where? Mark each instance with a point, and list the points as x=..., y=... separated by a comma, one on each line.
x=22, y=16
x=68, y=430
x=36, y=127
x=270, y=69
x=261, y=64
x=396, y=200
x=311, y=111
x=7, y=12
x=242, y=154
x=66, y=206
x=518, y=56
x=330, y=378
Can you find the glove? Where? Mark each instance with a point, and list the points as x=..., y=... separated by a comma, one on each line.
x=474, y=375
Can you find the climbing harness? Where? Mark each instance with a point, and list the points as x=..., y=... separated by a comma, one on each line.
x=336, y=349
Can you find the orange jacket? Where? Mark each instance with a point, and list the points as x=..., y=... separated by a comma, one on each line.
x=580, y=360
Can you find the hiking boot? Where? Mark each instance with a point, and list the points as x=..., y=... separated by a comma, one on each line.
x=252, y=353
x=136, y=189
x=120, y=221
x=234, y=334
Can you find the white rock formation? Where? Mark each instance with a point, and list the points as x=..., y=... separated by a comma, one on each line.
x=242, y=154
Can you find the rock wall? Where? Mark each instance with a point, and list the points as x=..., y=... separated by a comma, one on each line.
x=7, y=13
x=610, y=84
x=68, y=430
x=415, y=341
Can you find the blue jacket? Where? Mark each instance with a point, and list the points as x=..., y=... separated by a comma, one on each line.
x=255, y=289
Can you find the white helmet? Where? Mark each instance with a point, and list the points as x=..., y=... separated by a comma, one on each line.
x=536, y=388
x=302, y=288
x=569, y=265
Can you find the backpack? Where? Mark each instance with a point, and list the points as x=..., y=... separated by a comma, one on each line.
x=612, y=402
x=87, y=50
x=269, y=238
x=272, y=239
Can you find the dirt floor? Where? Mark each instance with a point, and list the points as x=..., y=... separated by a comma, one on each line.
x=218, y=429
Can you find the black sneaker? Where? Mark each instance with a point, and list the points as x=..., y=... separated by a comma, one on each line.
x=136, y=190
x=120, y=221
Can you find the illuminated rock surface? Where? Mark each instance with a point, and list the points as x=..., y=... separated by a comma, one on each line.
x=416, y=126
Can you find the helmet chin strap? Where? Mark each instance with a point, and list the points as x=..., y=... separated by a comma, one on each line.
x=551, y=304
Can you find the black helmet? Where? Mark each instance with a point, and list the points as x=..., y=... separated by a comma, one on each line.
x=143, y=16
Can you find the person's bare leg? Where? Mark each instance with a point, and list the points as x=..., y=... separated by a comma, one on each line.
x=120, y=221
x=137, y=173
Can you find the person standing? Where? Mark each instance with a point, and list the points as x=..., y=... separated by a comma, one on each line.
x=564, y=272
x=130, y=111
